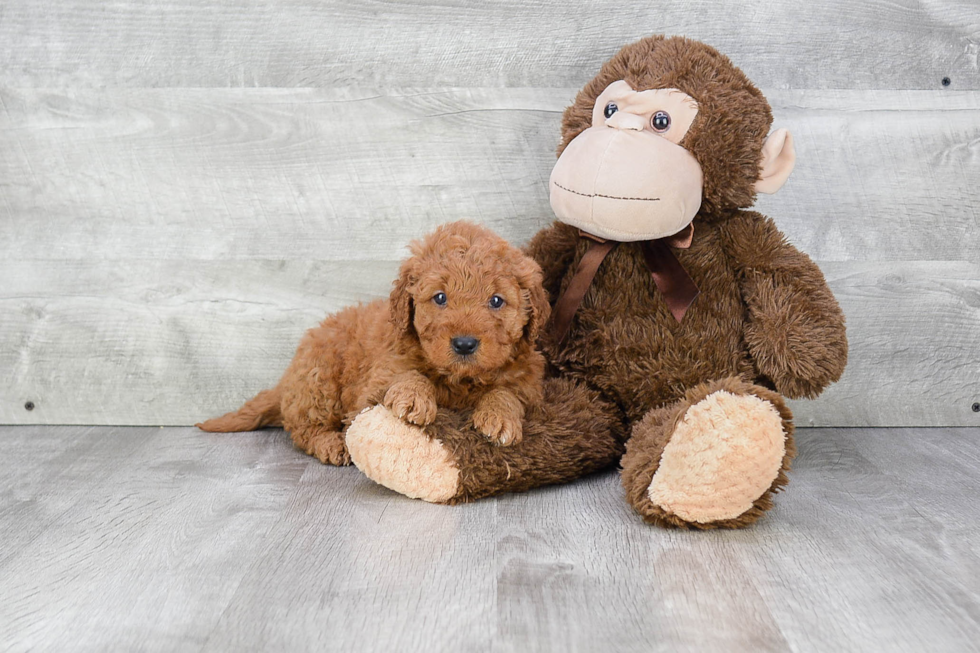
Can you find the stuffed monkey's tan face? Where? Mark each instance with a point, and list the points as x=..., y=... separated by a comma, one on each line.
x=627, y=178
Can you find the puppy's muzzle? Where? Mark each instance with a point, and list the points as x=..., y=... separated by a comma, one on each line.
x=464, y=345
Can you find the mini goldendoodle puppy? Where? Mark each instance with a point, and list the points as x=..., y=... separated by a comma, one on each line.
x=457, y=331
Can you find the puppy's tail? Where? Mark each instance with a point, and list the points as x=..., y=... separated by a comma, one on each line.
x=261, y=410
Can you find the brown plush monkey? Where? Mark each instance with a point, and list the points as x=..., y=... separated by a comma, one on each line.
x=681, y=318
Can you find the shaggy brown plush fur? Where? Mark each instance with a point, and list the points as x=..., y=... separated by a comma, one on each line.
x=573, y=432
x=765, y=323
x=398, y=352
x=765, y=315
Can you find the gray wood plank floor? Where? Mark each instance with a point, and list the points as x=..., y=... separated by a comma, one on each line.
x=170, y=539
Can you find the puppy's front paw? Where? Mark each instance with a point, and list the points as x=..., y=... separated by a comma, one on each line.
x=499, y=429
x=411, y=403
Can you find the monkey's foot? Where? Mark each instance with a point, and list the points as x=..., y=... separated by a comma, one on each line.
x=402, y=457
x=713, y=459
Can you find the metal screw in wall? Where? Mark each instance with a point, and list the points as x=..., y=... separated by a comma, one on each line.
x=976, y=407
x=947, y=81
x=29, y=405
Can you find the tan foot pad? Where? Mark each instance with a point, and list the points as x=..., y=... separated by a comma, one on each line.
x=724, y=454
x=401, y=457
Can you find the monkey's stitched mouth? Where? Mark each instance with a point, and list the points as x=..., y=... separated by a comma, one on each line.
x=609, y=197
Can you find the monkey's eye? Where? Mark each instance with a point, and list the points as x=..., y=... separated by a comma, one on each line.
x=660, y=121
x=439, y=299
x=496, y=302
x=610, y=109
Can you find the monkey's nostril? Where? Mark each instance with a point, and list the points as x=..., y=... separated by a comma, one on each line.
x=464, y=345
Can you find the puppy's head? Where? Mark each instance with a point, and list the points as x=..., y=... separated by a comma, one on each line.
x=469, y=300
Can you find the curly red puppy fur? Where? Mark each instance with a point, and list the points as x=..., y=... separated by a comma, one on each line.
x=457, y=331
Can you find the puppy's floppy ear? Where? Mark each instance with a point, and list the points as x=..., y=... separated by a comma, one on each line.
x=530, y=279
x=400, y=303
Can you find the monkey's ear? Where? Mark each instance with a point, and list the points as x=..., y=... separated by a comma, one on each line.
x=778, y=159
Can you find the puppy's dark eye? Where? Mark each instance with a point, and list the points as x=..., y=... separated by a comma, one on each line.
x=610, y=109
x=496, y=302
x=660, y=121
x=440, y=299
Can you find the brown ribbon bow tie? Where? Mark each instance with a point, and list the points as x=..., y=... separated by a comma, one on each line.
x=670, y=277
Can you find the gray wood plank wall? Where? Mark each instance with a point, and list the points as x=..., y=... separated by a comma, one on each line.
x=185, y=187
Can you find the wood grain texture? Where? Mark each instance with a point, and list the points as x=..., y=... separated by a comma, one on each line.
x=348, y=174
x=231, y=43
x=137, y=221
x=352, y=566
x=168, y=234
x=152, y=534
x=77, y=460
x=266, y=173
x=173, y=342
x=160, y=342
x=188, y=541
x=881, y=506
x=914, y=333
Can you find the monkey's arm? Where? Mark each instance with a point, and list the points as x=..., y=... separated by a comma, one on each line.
x=553, y=248
x=795, y=331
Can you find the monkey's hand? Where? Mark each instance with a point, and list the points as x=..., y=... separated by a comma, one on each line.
x=795, y=331
x=498, y=416
x=412, y=397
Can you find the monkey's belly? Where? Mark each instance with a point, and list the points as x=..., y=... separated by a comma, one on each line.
x=643, y=363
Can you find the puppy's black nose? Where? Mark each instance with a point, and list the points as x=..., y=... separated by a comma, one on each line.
x=465, y=345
